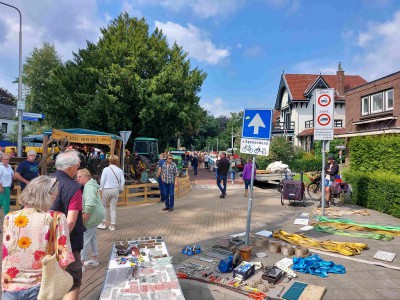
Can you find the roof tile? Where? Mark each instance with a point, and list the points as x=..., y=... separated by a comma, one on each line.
x=299, y=83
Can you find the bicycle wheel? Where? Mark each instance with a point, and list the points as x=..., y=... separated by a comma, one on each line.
x=280, y=186
x=303, y=196
x=314, y=191
x=338, y=200
x=282, y=197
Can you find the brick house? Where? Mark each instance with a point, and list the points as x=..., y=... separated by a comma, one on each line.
x=373, y=108
x=295, y=104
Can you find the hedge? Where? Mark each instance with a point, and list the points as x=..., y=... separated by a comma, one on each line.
x=371, y=153
x=305, y=165
x=379, y=190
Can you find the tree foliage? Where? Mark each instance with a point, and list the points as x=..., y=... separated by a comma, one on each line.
x=281, y=149
x=36, y=75
x=128, y=80
x=7, y=98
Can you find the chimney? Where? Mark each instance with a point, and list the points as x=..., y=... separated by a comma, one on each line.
x=340, y=80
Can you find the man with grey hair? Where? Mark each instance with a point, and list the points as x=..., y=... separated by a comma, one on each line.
x=69, y=201
x=27, y=170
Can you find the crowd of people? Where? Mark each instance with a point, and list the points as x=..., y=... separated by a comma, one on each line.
x=78, y=205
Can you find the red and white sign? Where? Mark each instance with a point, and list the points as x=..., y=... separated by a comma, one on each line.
x=324, y=100
x=323, y=119
x=324, y=110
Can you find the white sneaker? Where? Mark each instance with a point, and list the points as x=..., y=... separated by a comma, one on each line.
x=112, y=228
x=91, y=262
x=101, y=226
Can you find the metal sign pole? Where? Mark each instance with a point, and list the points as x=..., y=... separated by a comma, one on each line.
x=250, y=202
x=323, y=178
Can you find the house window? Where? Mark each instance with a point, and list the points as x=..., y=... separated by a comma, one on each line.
x=376, y=103
x=365, y=105
x=4, y=127
x=389, y=99
x=338, y=123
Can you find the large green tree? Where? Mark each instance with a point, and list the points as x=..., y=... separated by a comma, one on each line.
x=128, y=80
x=36, y=75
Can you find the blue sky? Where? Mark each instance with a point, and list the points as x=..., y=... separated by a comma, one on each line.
x=243, y=46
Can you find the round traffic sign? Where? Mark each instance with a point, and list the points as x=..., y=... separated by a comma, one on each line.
x=324, y=100
x=323, y=119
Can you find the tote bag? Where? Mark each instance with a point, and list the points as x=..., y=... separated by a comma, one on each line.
x=56, y=282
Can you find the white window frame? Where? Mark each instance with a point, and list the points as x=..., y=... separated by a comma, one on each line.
x=363, y=106
x=387, y=107
x=372, y=103
x=369, y=103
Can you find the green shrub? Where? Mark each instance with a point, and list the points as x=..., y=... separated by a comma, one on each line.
x=379, y=190
x=305, y=165
x=371, y=153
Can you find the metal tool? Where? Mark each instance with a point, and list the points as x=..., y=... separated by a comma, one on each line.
x=204, y=259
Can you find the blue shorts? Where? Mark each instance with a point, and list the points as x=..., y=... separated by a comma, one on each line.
x=328, y=182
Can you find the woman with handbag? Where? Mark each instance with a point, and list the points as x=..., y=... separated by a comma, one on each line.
x=29, y=234
x=111, y=183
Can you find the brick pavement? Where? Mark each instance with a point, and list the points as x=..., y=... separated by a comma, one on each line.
x=201, y=217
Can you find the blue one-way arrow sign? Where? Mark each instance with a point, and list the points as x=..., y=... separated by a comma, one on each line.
x=257, y=123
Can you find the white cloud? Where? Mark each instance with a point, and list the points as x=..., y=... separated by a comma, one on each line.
x=315, y=66
x=128, y=7
x=379, y=46
x=217, y=107
x=65, y=23
x=194, y=41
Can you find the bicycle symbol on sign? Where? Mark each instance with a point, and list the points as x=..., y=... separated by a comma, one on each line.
x=259, y=150
x=247, y=148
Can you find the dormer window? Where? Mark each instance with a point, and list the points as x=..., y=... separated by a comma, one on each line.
x=378, y=102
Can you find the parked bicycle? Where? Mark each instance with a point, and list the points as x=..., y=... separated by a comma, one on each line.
x=315, y=185
x=314, y=188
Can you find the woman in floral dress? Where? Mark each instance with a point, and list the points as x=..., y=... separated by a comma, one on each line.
x=26, y=237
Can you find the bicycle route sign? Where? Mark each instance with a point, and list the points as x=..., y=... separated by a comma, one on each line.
x=256, y=131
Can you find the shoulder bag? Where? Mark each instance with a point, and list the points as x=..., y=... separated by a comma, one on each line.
x=119, y=182
x=56, y=282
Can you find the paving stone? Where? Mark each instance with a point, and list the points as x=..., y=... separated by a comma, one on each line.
x=201, y=217
x=350, y=294
x=389, y=293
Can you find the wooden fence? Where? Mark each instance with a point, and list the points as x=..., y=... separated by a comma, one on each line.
x=132, y=194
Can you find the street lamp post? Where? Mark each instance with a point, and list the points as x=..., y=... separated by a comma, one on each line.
x=20, y=103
